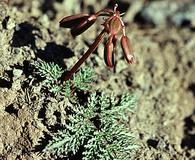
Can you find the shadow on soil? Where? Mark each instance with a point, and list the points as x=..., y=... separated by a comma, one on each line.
x=23, y=35
x=55, y=53
x=189, y=136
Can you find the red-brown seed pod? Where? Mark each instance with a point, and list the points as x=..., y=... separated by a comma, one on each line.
x=83, y=25
x=108, y=53
x=72, y=21
x=127, y=49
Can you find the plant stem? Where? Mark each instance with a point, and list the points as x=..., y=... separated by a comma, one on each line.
x=91, y=49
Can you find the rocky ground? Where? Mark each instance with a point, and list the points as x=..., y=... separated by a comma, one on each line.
x=163, y=77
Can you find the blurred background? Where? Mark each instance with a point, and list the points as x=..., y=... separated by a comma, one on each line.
x=162, y=33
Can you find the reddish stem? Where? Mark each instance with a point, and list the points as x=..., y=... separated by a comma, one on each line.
x=91, y=49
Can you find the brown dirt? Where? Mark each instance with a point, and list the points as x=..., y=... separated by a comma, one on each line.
x=163, y=78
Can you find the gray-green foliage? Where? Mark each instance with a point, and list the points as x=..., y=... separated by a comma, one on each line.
x=97, y=127
x=83, y=79
x=52, y=73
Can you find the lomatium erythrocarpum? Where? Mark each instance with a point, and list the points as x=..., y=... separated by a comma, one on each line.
x=113, y=25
